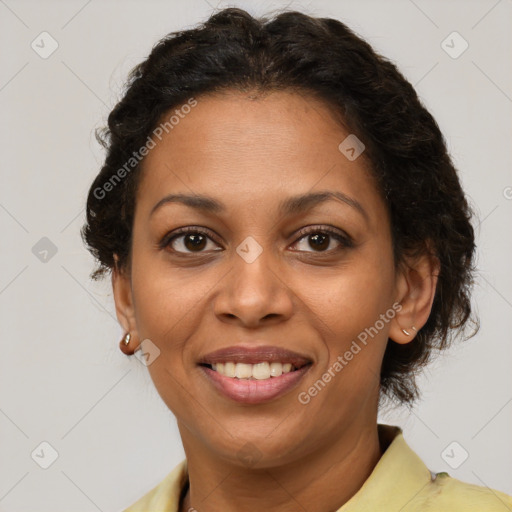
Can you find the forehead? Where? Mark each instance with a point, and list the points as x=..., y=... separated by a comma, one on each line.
x=251, y=150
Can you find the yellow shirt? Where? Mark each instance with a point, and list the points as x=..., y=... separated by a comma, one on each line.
x=399, y=482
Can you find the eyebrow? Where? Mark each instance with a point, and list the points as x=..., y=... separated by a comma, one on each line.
x=291, y=205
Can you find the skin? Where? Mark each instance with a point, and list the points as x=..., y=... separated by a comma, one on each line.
x=251, y=154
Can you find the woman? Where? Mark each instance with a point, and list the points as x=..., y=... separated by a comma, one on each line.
x=288, y=241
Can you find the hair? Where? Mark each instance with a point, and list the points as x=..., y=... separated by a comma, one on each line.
x=322, y=58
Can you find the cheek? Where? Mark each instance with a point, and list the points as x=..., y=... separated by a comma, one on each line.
x=356, y=295
x=357, y=306
x=168, y=312
x=166, y=297
x=167, y=304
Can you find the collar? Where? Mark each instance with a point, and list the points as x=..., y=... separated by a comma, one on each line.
x=399, y=476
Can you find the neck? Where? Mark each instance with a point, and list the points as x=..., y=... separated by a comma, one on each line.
x=334, y=473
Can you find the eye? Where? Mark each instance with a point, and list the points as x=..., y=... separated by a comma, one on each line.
x=187, y=240
x=191, y=240
x=319, y=239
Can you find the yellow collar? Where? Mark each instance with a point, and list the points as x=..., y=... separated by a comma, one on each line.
x=399, y=482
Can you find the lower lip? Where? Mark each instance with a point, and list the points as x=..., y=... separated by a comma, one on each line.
x=255, y=391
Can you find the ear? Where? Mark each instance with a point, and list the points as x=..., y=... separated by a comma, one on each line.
x=123, y=298
x=416, y=288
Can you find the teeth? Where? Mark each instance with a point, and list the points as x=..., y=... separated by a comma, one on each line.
x=229, y=369
x=259, y=371
x=276, y=369
x=243, y=371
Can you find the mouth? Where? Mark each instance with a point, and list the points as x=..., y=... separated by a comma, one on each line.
x=253, y=375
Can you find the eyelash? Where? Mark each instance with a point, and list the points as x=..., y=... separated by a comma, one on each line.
x=343, y=239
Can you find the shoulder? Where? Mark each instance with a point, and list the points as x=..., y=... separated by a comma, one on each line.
x=165, y=496
x=449, y=494
x=402, y=481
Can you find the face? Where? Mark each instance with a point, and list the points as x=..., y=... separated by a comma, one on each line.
x=261, y=269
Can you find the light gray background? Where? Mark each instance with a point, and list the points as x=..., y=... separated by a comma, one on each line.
x=63, y=378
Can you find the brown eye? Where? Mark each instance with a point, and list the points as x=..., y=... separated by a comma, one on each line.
x=319, y=240
x=194, y=242
x=188, y=240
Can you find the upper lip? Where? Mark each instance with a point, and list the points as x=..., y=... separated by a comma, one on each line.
x=254, y=355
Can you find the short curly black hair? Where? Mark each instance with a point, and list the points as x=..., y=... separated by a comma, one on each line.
x=323, y=58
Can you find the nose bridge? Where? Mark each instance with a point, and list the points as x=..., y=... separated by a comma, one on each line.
x=253, y=269
x=254, y=289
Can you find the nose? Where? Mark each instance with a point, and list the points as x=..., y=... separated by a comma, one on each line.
x=254, y=293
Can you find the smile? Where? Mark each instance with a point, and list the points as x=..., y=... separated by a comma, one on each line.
x=250, y=389
x=259, y=371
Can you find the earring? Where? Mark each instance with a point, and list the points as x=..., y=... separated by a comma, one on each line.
x=126, y=339
x=408, y=333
